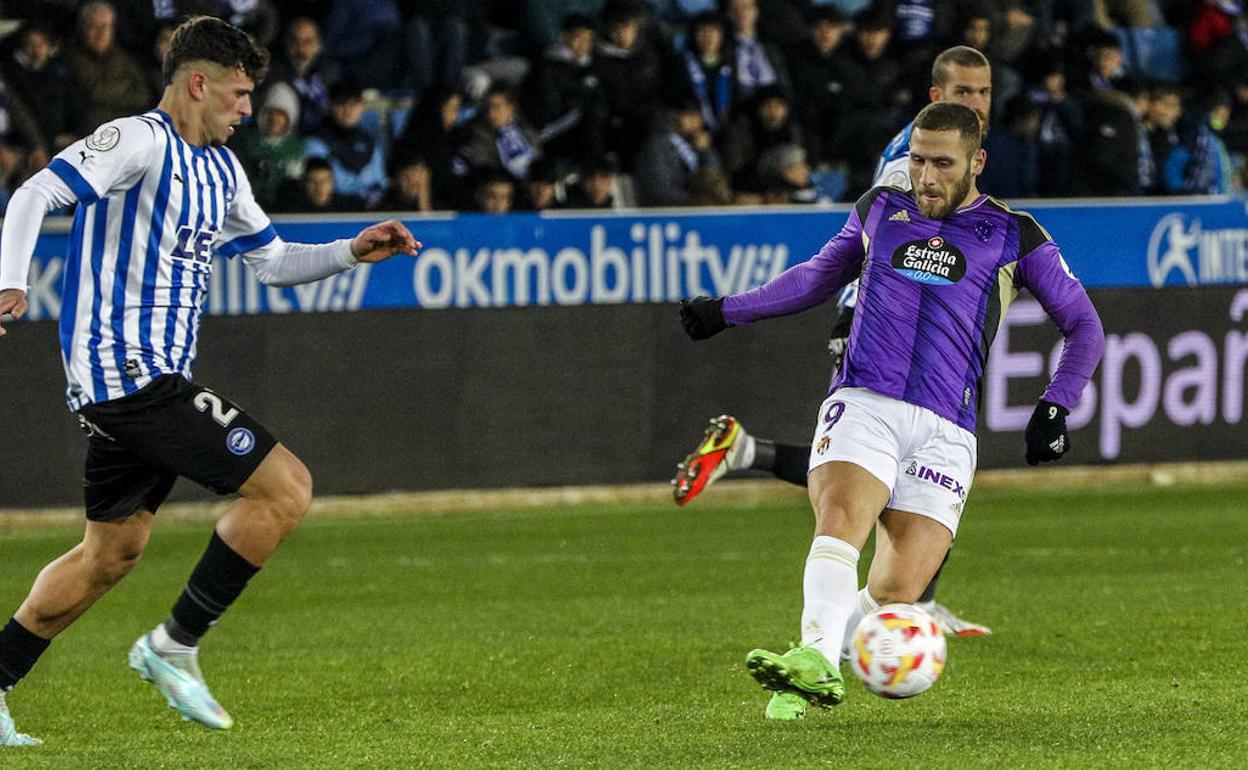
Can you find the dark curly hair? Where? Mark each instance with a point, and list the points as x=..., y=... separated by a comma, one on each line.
x=207, y=38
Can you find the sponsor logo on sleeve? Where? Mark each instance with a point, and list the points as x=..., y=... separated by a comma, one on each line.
x=933, y=261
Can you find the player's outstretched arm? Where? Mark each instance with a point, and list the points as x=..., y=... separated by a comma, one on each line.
x=383, y=240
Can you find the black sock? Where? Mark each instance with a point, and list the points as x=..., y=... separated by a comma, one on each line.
x=764, y=454
x=791, y=463
x=19, y=649
x=929, y=593
x=217, y=581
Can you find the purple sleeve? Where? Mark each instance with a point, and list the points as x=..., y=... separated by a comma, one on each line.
x=806, y=285
x=1045, y=274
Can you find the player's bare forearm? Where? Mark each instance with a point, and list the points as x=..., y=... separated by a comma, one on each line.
x=383, y=240
x=12, y=306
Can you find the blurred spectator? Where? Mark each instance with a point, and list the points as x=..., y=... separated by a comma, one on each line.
x=495, y=192
x=498, y=139
x=1212, y=21
x=304, y=65
x=877, y=103
x=919, y=29
x=541, y=20
x=1013, y=167
x=139, y=20
x=314, y=192
x=109, y=80
x=154, y=66
x=541, y=187
x=258, y=18
x=819, y=87
x=1106, y=67
x=1125, y=13
x=786, y=176
x=705, y=71
x=1112, y=158
x=768, y=123
x=22, y=147
x=434, y=135
x=596, y=187
x=363, y=36
x=977, y=30
x=1161, y=118
x=757, y=64
x=673, y=156
x=564, y=94
x=783, y=23
x=356, y=155
x=410, y=189
x=1199, y=164
x=1016, y=29
x=1235, y=135
x=631, y=77
x=439, y=38
x=42, y=82
x=1061, y=127
x=1219, y=43
x=269, y=148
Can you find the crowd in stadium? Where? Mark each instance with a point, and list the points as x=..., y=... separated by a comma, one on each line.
x=501, y=105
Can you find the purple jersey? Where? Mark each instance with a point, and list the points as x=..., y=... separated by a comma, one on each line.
x=932, y=297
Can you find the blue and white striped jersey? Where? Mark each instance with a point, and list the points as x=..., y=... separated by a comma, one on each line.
x=153, y=209
x=893, y=167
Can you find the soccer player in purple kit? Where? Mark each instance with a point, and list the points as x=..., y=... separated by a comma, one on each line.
x=894, y=448
x=959, y=74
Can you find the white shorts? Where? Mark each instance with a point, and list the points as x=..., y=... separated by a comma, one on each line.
x=926, y=461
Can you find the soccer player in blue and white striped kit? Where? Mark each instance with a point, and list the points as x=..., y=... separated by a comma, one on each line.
x=157, y=196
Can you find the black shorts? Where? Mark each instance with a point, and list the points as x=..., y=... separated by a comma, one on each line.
x=138, y=445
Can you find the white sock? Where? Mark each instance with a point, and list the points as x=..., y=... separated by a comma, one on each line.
x=745, y=453
x=830, y=588
x=166, y=644
x=865, y=606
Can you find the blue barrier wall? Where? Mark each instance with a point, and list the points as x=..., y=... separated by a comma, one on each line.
x=573, y=259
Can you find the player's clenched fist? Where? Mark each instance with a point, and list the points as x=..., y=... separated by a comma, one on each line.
x=1046, y=434
x=702, y=317
x=12, y=306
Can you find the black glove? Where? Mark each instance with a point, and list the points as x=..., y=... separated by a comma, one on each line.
x=702, y=317
x=1046, y=434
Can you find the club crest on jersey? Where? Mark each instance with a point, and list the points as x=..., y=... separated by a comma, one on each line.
x=932, y=261
x=194, y=244
x=984, y=229
x=104, y=139
x=240, y=441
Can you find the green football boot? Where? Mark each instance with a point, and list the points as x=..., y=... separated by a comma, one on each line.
x=785, y=706
x=803, y=671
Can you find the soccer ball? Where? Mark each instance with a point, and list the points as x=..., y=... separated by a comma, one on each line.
x=899, y=651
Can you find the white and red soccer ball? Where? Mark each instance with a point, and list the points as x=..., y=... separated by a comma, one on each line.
x=898, y=651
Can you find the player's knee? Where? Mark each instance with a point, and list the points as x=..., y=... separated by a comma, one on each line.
x=895, y=590
x=109, y=566
x=832, y=518
x=294, y=494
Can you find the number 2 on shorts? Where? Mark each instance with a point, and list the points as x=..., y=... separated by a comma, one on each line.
x=206, y=399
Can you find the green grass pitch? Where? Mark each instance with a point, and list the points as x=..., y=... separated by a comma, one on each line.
x=614, y=636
